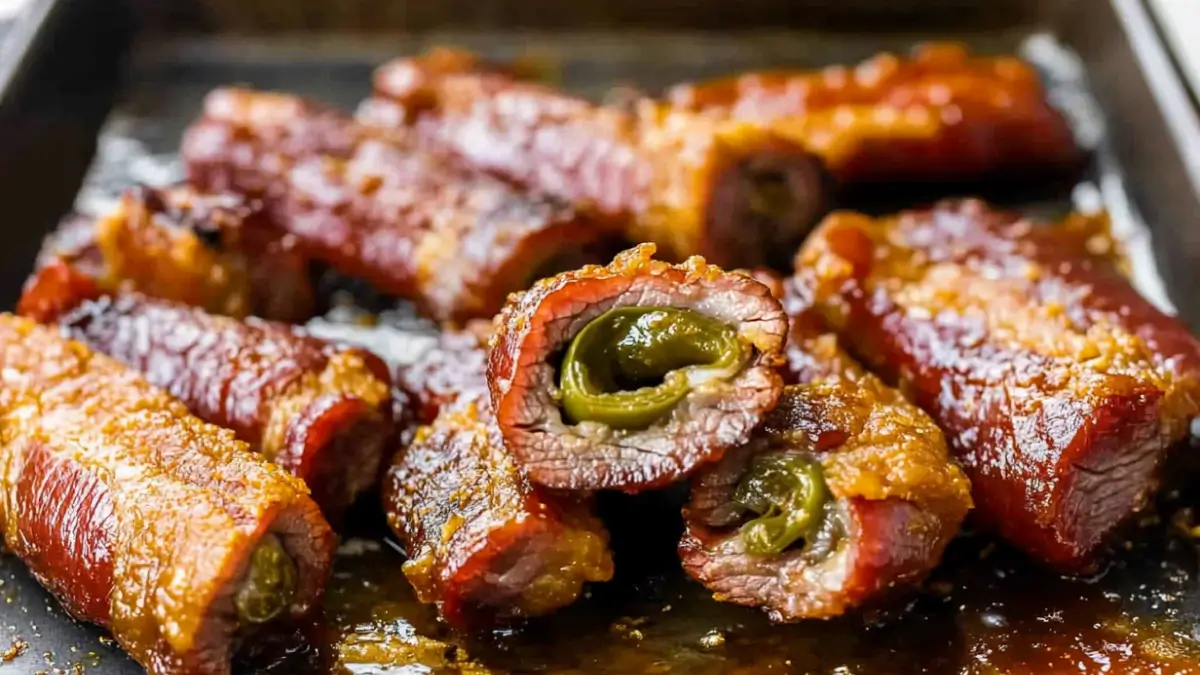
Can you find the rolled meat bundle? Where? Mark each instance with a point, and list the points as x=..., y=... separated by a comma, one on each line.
x=483, y=543
x=630, y=376
x=845, y=495
x=212, y=251
x=941, y=115
x=321, y=412
x=141, y=518
x=371, y=205
x=736, y=193
x=1058, y=386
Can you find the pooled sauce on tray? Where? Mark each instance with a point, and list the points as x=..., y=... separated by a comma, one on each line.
x=984, y=611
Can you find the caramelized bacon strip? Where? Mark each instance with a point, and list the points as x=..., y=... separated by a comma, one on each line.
x=483, y=543
x=322, y=413
x=892, y=497
x=141, y=518
x=941, y=115
x=216, y=252
x=1058, y=386
x=372, y=206
x=735, y=193
x=664, y=369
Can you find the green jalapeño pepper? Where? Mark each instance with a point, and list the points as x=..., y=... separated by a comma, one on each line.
x=630, y=366
x=770, y=194
x=788, y=492
x=270, y=583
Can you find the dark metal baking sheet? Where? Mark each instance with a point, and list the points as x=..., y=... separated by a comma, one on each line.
x=1105, y=67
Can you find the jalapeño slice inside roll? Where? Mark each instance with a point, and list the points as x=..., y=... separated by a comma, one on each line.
x=659, y=369
x=269, y=586
x=632, y=365
x=788, y=494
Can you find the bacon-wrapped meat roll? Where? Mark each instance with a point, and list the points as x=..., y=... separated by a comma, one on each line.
x=846, y=493
x=483, y=543
x=369, y=204
x=216, y=252
x=1058, y=386
x=321, y=412
x=141, y=518
x=942, y=115
x=632, y=375
x=735, y=193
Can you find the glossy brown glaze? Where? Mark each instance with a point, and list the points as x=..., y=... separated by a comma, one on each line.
x=1058, y=386
x=692, y=184
x=985, y=612
x=897, y=496
x=483, y=543
x=941, y=115
x=138, y=516
x=213, y=251
x=451, y=374
x=321, y=412
x=414, y=81
x=373, y=206
x=536, y=326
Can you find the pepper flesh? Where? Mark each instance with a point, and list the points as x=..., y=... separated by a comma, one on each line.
x=789, y=494
x=270, y=583
x=630, y=366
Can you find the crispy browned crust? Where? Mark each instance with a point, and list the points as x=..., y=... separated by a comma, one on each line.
x=321, y=412
x=899, y=498
x=666, y=176
x=136, y=515
x=941, y=115
x=536, y=325
x=1058, y=386
x=483, y=543
x=373, y=206
x=214, y=251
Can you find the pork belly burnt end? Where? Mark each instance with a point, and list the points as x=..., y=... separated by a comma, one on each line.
x=941, y=115
x=1058, y=386
x=321, y=412
x=735, y=193
x=632, y=375
x=138, y=517
x=214, y=251
x=370, y=204
x=484, y=544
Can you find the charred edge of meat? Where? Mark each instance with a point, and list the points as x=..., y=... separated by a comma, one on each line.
x=763, y=207
x=629, y=367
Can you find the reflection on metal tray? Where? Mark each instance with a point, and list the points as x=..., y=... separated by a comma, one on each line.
x=983, y=612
